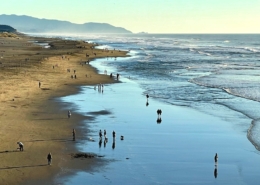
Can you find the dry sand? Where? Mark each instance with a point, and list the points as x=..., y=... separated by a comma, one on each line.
x=28, y=112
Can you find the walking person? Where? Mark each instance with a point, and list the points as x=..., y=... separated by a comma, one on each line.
x=49, y=158
x=39, y=84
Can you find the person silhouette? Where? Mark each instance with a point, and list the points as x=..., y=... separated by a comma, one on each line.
x=216, y=158
x=69, y=114
x=20, y=145
x=114, y=134
x=160, y=112
x=74, y=134
x=49, y=158
x=100, y=134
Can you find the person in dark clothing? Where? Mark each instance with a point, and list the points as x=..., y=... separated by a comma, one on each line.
x=100, y=134
x=114, y=134
x=49, y=158
x=216, y=158
x=20, y=145
x=74, y=134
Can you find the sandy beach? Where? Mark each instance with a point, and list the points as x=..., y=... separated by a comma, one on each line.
x=31, y=77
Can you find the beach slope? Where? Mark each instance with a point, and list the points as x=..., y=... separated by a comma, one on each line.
x=33, y=72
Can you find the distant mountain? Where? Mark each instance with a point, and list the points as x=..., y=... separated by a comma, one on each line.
x=6, y=28
x=29, y=24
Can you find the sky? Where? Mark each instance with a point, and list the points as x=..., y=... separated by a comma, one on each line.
x=152, y=16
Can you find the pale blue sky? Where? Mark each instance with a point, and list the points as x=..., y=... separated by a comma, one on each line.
x=153, y=16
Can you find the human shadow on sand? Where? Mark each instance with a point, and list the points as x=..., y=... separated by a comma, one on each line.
x=49, y=118
x=8, y=151
x=17, y=167
x=58, y=140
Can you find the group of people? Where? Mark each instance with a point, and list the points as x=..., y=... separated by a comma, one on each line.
x=21, y=148
x=105, y=134
x=159, y=111
x=117, y=76
x=72, y=76
x=106, y=139
x=100, y=87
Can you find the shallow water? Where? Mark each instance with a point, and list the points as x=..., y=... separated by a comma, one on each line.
x=180, y=150
x=207, y=87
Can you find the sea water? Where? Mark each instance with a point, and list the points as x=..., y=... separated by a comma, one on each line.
x=189, y=77
x=205, y=72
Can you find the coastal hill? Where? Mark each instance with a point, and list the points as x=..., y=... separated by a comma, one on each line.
x=6, y=28
x=29, y=24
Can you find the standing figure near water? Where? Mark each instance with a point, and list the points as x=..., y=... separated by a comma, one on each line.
x=147, y=97
x=100, y=134
x=49, y=158
x=74, y=134
x=69, y=114
x=114, y=134
x=159, y=119
x=216, y=159
x=159, y=112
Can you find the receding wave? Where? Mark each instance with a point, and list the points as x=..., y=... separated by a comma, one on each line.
x=253, y=133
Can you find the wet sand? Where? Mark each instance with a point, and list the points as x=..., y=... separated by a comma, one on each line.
x=29, y=112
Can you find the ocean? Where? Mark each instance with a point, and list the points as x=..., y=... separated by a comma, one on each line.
x=205, y=72
x=208, y=89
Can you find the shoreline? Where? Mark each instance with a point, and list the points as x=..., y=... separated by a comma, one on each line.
x=30, y=113
x=181, y=144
